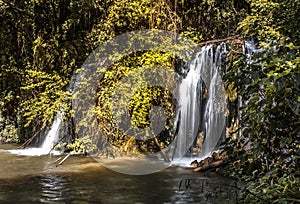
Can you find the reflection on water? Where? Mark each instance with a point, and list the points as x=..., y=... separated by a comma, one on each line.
x=82, y=180
x=52, y=188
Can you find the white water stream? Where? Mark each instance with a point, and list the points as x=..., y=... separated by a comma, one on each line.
x=50, y=139
x=202, y=105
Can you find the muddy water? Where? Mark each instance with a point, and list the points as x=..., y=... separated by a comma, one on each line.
x=80, y=179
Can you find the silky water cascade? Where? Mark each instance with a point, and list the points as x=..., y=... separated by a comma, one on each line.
x=200, y=119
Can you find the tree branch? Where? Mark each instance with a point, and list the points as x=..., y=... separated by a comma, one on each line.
x=221, y=40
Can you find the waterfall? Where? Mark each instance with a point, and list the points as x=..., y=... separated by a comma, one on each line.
x=50, y=139
x=201, y=103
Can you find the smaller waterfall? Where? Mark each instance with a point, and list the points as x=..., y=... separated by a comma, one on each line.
x=52, y=136
x=50, y=139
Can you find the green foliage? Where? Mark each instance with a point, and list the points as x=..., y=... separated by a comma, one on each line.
x=211, y=19
x=267, y=152
x=8, y=132
x=273, y=187
x=81, y=145
x=42, y=43
x=51, y=98
x=269, y=126
x=140, y=103
x=272, y=20
x=261, y=23
x=129, y=15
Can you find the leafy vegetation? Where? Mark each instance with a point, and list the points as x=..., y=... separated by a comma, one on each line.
x=267, y=152
x=140, y=104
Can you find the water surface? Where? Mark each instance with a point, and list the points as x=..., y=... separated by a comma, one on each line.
x=80, y=179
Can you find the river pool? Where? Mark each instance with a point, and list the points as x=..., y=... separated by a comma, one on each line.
x=80, y=179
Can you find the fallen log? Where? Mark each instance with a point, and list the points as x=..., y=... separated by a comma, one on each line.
x=217, y=158
x=211, y=165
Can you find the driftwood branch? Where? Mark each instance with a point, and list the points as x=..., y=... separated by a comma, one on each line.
x=57, y=144
x=234, y=37
x=64, y=159
x=27, y=142
x=57, y=160
x=166, y=158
